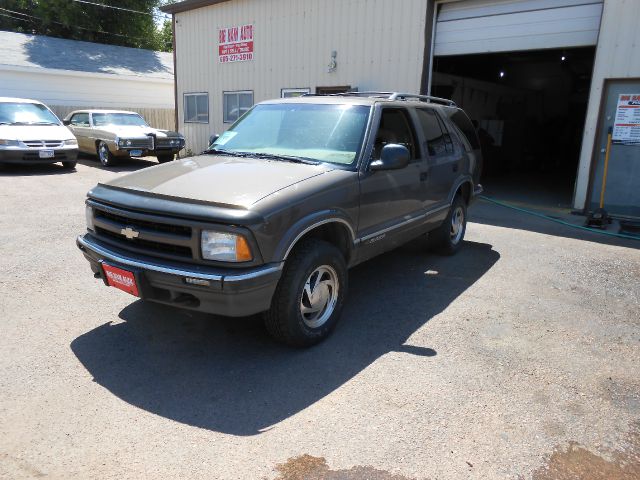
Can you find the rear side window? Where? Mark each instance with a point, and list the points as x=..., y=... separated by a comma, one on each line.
x=464, y=125
x=80, y=120
x=436, y=139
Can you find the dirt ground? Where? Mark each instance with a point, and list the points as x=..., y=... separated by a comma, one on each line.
x=519, y=358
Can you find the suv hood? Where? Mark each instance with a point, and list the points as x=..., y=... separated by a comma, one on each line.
x=135, y=132
x=219, y=179
x=35, y=132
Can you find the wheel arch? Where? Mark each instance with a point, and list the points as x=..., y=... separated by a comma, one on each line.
x=333, y=229
x=464, y=187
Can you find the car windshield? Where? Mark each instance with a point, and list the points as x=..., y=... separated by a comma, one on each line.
x=128, y=119
x=318, y=132
x=18, y=113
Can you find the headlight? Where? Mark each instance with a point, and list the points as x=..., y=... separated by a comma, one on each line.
x=9, y=143
x=226, y=247
x=71, y=141
x=88, y=211
x=123, y=142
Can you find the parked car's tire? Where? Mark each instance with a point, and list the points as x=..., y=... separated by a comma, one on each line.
x=167, y=157
x=309, y=298
x=69, y=165
x=448, y=237
x=104, y=155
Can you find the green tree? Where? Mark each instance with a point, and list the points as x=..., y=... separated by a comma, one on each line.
x=132, y=23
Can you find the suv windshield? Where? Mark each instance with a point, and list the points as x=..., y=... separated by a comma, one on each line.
x=17, y=113
x=128, y=119
x=325, y=133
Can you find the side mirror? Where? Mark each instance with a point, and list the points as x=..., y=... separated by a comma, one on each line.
x=392, y=157
x=66, y=122
x=213, y=138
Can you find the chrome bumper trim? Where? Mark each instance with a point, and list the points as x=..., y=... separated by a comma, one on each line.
x=83, y=243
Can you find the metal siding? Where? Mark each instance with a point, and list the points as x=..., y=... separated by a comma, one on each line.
x=490, y=26
x=380, y=44
x=617, y=56
x=76, y=89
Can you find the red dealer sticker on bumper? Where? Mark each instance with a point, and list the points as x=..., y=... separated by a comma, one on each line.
x=122, y=279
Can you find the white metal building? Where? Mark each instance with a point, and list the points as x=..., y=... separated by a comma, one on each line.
x=543, y=78
x=68, y=75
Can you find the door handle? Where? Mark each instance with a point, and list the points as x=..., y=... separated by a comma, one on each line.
x=423, y=176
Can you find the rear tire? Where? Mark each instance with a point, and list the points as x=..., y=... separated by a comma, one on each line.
x=447, y=238
x=310, y=294
x=69, y=165
x=165, y=158
x=105, y=156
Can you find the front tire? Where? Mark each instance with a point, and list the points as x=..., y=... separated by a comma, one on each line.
x=165, y=158
x=69, y=165
x=309, y=298
x=447, y=238
x=105, y=156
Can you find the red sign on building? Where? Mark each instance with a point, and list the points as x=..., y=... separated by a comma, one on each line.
x=235, y=44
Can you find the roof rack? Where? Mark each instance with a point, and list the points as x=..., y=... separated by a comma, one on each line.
x=422, y=98
x=394, y=96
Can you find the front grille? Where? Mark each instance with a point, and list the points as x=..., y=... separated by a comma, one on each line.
x=154, y=237
x=144, y=143
x=145, y=224
x=145, y=245
x=166, y=143
x=43, y=143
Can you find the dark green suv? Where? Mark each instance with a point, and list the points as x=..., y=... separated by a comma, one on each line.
x=272, y=215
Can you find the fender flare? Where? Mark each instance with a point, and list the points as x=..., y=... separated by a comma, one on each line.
x=461, y=181
x=308, y=223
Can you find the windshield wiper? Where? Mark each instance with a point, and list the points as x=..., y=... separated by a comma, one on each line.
x=288, y=158
x=261, y=155
x=30, y=123
x=231, y=153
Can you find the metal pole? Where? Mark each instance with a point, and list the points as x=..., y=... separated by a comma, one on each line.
x=606, y=168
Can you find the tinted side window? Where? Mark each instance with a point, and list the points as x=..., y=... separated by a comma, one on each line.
x=437, y=141
x=460, y=120
x=80, y=120
x=395, y=127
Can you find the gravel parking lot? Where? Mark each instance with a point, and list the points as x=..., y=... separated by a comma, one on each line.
x=519, y=358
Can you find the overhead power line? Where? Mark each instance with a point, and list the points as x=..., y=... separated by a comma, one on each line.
x=99, y=32
x=161, y=15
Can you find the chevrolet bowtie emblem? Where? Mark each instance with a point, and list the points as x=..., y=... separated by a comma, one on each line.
x=130, y=233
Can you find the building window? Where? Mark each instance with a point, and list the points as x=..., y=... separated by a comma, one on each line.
x=236, y=104
x=294, y=92
x=196, y=108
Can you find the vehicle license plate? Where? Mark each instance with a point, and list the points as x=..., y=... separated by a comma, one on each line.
x=47, y=154
x=122, y=279
x=135, y=153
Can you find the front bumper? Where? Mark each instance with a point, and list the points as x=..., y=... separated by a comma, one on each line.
x=229, y=292
x=31, y=156
x=126, y=152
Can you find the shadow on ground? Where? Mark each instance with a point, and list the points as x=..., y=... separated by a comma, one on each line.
x=120, y=166
x=17, y=170
x=228, y=375
x=491, y=214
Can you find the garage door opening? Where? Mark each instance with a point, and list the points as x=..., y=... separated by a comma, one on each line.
x=530, y=109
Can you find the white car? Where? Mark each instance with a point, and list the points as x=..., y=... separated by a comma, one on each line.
x=30, y=133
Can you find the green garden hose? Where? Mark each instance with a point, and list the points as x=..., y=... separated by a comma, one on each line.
x=561, y=222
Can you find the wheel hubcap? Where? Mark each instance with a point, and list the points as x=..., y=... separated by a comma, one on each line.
x=104, y=154
x=319, y=296
x=457, y=225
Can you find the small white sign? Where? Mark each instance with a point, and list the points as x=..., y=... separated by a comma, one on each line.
x=626, y=128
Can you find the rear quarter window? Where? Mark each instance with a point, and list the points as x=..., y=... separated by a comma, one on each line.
x=464, y=127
